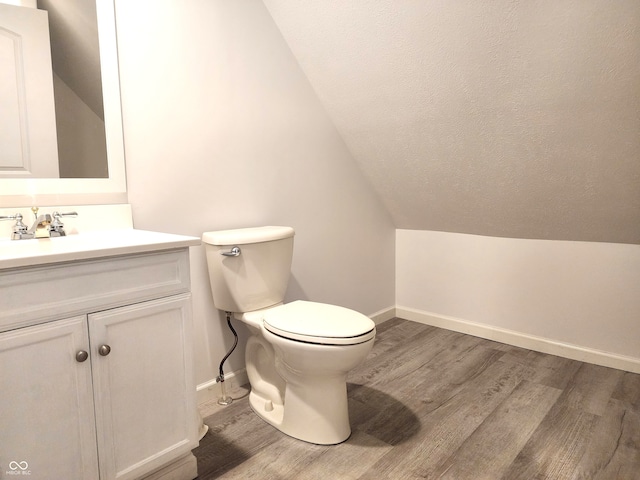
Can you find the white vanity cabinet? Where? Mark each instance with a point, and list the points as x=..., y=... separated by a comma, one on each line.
x=96, y=368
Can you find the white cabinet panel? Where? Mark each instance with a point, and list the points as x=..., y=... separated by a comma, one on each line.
x=84, y=286
x=46, y=402
x=145, y=400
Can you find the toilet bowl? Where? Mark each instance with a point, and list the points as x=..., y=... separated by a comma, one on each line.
x=298, y=354
x=299, y=384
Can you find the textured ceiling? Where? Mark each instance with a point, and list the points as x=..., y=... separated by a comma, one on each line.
x=503, y=118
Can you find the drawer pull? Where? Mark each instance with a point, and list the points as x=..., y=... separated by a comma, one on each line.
x=104, y=350
x=81, y=356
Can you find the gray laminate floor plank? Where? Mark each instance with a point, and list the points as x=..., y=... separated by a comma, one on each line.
x=613, y=450
x=628, y=390
x=431, y=403
x=444, y=429
x=556, y=446
x=591, y=388
x=545, y=369
x=492, y=447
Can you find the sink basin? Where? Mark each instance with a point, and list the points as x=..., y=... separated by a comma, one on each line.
x=22, y=253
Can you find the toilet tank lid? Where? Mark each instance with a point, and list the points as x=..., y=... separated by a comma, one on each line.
x=242, y=236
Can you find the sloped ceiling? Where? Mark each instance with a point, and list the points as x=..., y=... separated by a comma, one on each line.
x=75, y=51
x=505, y=118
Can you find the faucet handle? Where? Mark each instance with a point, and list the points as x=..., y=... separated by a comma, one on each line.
x=67, y=214
x=19, y=228
x=11, y=217
x=56, y=228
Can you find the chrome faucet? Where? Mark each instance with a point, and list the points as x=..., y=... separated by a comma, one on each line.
x=44, y=225
x=39, y=228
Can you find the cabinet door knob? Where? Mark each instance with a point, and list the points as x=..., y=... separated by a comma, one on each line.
x=81, y=356
x=104, y=350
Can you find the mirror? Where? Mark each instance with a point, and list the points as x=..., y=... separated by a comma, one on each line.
x=107, y=181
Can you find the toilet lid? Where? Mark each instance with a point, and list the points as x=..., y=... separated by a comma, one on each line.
x=319, y=323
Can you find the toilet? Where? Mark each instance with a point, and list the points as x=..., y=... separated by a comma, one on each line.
x=299, y=353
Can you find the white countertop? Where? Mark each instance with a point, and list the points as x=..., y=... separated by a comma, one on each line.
x=88, y=245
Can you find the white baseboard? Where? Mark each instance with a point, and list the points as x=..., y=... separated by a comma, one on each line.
x=207, y=391
x=383, y=315
x=531, y=342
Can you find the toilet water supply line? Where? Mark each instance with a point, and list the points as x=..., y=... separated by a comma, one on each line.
x=224, y=400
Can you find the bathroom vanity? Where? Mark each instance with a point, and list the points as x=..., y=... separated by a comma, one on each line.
x=96, y=367
x=96, y=374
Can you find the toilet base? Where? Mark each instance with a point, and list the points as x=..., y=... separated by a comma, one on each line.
x=316, y=411
x=266, y=409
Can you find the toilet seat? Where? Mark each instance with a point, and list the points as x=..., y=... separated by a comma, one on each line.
x=319, y=323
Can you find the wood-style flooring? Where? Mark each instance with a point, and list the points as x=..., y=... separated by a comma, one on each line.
x=431, y=403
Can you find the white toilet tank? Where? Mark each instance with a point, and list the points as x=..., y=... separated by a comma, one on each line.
x=253, y=276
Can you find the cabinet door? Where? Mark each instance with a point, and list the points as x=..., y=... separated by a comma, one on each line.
x=144, y=386
x=47, y=427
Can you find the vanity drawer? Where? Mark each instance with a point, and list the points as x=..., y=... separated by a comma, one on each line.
x=33, y=295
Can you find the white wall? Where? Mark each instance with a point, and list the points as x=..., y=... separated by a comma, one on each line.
x=577, y=299
x=222, y=130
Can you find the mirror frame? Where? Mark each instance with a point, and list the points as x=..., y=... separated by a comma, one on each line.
x=15, y=192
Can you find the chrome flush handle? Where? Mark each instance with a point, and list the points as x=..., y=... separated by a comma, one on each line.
x=235, y=252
